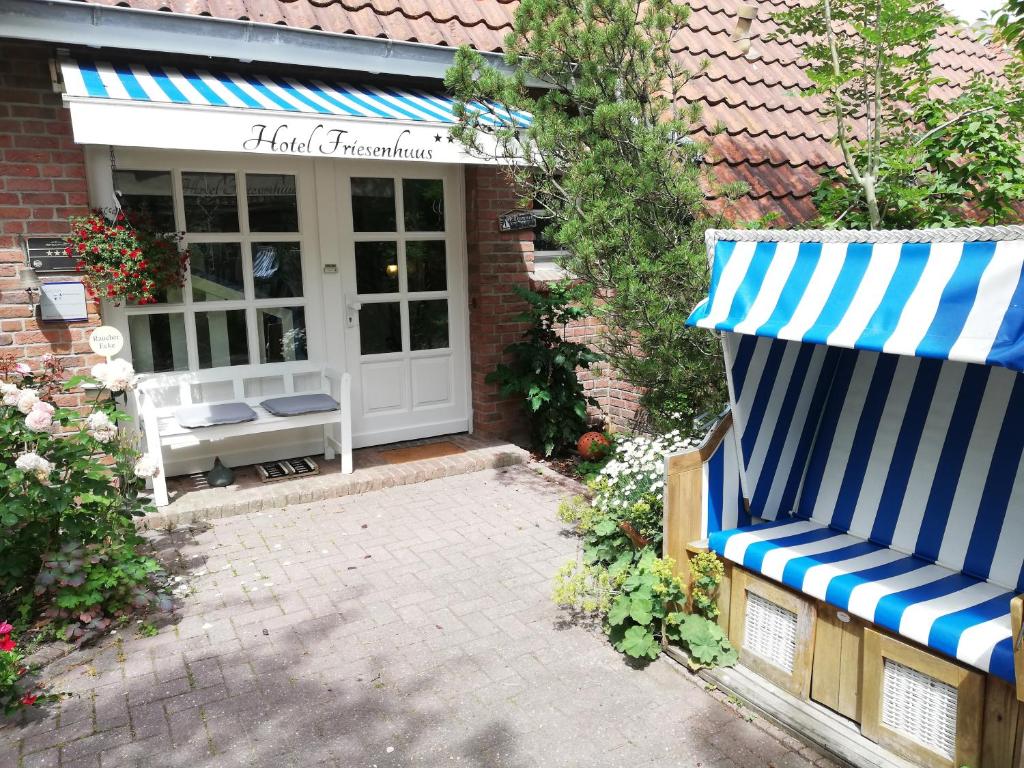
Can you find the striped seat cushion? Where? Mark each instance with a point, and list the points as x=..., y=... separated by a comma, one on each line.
x=958, y=615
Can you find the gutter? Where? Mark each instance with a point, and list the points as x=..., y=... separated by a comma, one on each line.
x=64, y=22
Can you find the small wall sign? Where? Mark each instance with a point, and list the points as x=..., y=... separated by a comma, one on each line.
x=513, y=220
x=46, y=254
x=62, y=302
x=106, y=341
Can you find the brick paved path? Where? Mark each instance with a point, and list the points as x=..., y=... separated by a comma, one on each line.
x=405, y=627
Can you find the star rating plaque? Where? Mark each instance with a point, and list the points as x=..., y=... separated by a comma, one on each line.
x=46, y=254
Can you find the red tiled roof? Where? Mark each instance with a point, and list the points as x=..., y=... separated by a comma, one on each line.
x=771, y=137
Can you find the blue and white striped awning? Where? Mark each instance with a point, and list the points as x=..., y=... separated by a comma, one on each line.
x=179, y=107
x=954, y=300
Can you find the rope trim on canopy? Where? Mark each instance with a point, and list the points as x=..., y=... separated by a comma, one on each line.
x=955, y=235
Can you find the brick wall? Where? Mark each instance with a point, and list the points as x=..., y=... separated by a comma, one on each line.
x=42, y=182
x=498, y=261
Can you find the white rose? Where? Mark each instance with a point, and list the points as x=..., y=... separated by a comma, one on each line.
x=117, y=375
x=146, y=467
x=9, y=392
x=27, y=400
x=101, y=427
x=40, y=418
x=36, y=464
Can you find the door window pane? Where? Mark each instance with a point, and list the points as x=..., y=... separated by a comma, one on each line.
x=277, y=270
x=211, y=202
x=272, y=203
x=149, y=195
x=380, y=328
x=376, y=267
x=158, y=343
x=216, y=271
x=221, y=338
x=373, y=205
x=282, y=334
x=428, y=324
x=425, y=265
x=423, y=201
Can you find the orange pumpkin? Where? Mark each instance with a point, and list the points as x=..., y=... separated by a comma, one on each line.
x=593, y=446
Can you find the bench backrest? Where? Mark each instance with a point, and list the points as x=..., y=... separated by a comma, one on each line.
x=779, y=390
x=241, y=383
x=923, y=456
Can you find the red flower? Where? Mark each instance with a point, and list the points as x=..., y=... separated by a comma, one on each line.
x=68, y=250
x=29, y=699
x=95, y=249
x=81, y=247
x=6, y=643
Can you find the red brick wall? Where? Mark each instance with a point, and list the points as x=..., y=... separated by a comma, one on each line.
x=498, y=261
x=42, y=182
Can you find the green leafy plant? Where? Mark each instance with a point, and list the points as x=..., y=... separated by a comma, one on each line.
x=706, y=572
x=703, y=640
x=1009, y=24
x=542, y=369
x=911, y=157
x=610, y=159
x=16, y=692
x=647, y=597
x=70, y=484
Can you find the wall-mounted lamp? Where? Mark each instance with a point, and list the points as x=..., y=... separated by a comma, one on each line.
x=745, y=16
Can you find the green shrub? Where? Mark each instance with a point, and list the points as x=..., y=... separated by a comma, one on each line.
x=542, y=369
x=69, y=487
x=706, y=572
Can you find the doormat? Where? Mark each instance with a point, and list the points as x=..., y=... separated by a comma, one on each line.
x=273, y=471
x=419, y=452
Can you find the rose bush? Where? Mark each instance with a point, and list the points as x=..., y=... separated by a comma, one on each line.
x=69, y=552
x=125, y=258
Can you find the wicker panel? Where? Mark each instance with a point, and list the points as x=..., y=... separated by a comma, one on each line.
x=770, y=632
x=919, y=707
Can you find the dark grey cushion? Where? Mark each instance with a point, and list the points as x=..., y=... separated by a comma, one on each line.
x=296, y=405
x=193, y=416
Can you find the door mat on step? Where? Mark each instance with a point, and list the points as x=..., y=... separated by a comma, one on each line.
x=419, y=452
x=274, y=471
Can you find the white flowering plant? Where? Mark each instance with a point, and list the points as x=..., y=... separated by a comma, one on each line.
x=70, y=483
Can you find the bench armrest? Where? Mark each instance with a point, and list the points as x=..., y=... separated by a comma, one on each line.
x=702, y=492
x=1017, y=624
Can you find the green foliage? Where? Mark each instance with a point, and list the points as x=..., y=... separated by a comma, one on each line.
x=636, y=618
x=1009, y=23
x=542, y=369
x=703, y=640
x=15, y=690
x=706, y=572
x=609, y=159
x=910, y=159
x=69, y=552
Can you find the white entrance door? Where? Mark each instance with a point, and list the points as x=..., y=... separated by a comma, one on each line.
x=404, y=312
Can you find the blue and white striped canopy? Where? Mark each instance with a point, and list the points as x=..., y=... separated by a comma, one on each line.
x=951, y=300
x=203, y=88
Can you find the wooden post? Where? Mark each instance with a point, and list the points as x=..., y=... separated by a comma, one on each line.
x=1016, y=620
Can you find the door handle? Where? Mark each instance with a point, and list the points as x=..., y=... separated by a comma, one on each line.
x=352, y=312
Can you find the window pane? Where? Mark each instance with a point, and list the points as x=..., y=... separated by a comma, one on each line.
x=158, y=343
x=423, y=200
x=380, y=328
x=221, y=338
x=170, y=295
x=149, y=194
x=425, y=265
x=376, y=268
x=428, y=324
x=276, y=270
x=216, y=271
x=373, y=205
x=272, y=204
x=282, y=334
x=211, y=203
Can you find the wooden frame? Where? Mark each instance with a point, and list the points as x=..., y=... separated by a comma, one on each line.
x=836, y=677
x=684, y=485
x=970, y=686
x=797, y=682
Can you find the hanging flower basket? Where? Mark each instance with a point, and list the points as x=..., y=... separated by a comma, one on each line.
x=125, y=258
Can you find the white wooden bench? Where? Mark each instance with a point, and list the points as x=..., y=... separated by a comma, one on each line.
x=160, y=395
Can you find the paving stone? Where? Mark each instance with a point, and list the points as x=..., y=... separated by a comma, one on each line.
x=442, y=645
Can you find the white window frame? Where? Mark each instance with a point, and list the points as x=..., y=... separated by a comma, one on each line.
x=178, y=163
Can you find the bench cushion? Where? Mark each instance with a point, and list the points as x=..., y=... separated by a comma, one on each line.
x=955, y=614
x=296, y=405
x=210, y=415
